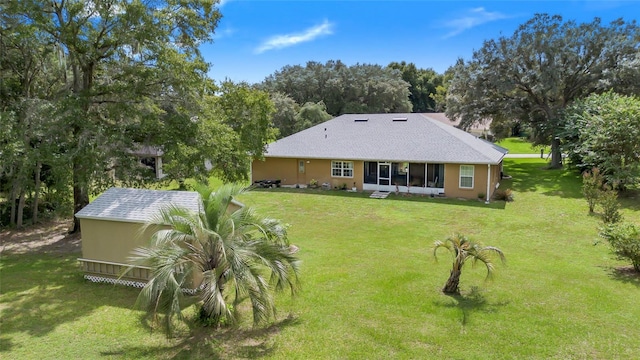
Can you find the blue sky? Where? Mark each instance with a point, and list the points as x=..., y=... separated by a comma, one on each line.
x=255, y=38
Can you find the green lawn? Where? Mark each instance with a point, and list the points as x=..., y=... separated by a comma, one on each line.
x=517, y=145
x=371, y=288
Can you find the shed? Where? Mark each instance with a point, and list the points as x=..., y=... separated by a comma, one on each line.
x=111, y=227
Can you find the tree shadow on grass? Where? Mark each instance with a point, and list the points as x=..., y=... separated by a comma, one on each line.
x=212, y=343
x=40, y=292
x=630, y=199
x=472, y=302
x=625, y=274
x=533, y=175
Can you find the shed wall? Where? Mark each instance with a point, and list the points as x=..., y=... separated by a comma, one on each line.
x=112, y=241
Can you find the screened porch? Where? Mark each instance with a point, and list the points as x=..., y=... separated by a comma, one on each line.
x=419, y=178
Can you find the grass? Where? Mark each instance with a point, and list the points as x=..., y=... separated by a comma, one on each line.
x=517, y=145
x=371, y=288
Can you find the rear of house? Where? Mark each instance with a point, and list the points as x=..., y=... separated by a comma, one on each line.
x=387, y=152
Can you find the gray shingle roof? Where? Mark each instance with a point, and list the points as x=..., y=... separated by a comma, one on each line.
x=475, y=128
x=136, y=205
x=418, y=139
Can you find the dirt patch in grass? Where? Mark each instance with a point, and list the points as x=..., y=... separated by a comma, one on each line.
x=47, y=237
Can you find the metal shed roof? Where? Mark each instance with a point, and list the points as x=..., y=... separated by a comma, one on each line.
x=136, y=205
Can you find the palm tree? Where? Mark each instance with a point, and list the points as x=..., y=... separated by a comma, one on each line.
x=221, y=255
x=463, y=249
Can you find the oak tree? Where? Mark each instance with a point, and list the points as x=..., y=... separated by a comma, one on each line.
x=534, y=74
x=126, y=63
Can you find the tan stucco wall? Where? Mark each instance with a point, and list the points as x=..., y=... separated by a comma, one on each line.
x=286, y=170
x=320, y=169
x=452, y=181
x=112, y=240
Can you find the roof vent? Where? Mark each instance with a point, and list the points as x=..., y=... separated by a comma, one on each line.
x=361, y=120
x=400, y=119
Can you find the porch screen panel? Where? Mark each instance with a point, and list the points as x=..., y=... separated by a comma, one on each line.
x=416, y=174
x=439, y=168
x=399, y=173
x=435, y=175
x=370, y=172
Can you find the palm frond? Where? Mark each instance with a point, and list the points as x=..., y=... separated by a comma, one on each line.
x=497, y=251
x=441, y=244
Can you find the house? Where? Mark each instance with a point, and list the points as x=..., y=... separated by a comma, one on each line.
x=411, y=153
x=111, y=229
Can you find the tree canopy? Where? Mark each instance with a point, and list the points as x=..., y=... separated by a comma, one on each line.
x=426, y=86
x=603, y=131
x=86, y=82
x=533, y=75
x=361, y=88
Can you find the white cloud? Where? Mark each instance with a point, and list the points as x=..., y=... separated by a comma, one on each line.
x=223, y=33
x=471, y=19
x=222, y=2
x=283, y=41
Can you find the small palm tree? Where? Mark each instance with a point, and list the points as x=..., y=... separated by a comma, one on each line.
x=462, y=249
x=223, y=256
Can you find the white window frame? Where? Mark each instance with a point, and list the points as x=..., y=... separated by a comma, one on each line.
x=341, y=169
x=464, y=174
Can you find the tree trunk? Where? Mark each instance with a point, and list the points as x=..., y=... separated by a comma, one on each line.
x=80, y=195
x=20, y=209
x=451, y=287
x=34, y=218
x=556, y=154
x=12, y=198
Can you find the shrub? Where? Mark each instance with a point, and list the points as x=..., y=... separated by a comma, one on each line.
x=592, y=187
x=506, y=195
x=481, y=196
x=608, y=200
x=624, y=240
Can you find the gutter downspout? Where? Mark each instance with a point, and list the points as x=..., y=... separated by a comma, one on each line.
x=488, y=182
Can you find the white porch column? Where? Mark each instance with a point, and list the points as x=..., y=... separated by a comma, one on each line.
x=426, y=182
x=488, y=183
x=159, y=174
